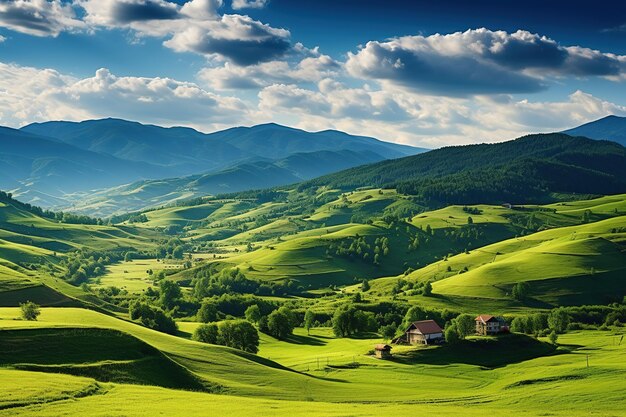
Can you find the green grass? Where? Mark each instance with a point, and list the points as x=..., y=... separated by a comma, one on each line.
x=133, y=276
x=514, y=375
x=103, y=354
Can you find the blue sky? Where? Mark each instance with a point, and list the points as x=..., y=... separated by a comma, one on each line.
x=424, y=73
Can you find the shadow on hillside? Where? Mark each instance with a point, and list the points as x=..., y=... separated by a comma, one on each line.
x=305, y=340
x=488, y=352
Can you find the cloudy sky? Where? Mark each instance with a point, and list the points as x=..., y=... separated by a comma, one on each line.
x=427, y=73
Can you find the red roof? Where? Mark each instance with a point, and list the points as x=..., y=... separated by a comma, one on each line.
x=382, y=346
x=426, y=327
x=485, y=318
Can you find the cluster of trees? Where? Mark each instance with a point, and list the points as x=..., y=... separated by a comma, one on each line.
x=359, y=248
x=210, y=281
x=80, y=266
x=348, y=320
x=152, y=316
x=60, y=216
x=171, y=249
x=472, y=210
x=412, y=287
x=238, y=334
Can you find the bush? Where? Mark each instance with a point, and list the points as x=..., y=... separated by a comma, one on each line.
x=30, y=311
x=452, y=334
x=152, y=317
x=206, y=333
x=238, y=334
x=280, y=323
x=207, y=312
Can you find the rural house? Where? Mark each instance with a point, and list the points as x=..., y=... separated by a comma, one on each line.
x=487, y=324
x=424, y=332
x=382, y=351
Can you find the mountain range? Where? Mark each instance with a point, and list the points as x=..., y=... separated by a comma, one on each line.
x=55, y=164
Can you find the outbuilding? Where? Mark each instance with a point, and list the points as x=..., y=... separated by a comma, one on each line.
x=382, y=351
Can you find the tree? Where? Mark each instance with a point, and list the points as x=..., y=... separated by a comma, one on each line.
x=128, y=257
x=177, y=253
x=238, y=334
x=343, y=321
x=280, y=323
x=30, y=311
x=170, y=293
x=206, y=333
x=207, y=312
x=253, y=313
x=553, y=337
x=470, y=220
x=465, y=325
x=356, y=298
x=365, y=285
x=558, y=319
x=388, y=331
x=309, y=319
x=428, y=289
x=152, y=317
x=520, y=291
x=452, y=334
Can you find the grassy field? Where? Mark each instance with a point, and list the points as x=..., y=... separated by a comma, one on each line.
x=133, y=276
x=513, y=375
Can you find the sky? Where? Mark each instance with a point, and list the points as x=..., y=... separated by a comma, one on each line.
x=424, y=73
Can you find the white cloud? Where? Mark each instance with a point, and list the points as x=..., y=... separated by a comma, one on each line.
x=2, y=39
x=30, y=94
x=309, y=69
x=237, y=38
x=39, y=17
x=249, y=4
x=477, y=62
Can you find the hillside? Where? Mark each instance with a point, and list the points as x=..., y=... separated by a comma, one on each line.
x=528, y=169
x=245, y=176
x=608, y=128
x=43, y=169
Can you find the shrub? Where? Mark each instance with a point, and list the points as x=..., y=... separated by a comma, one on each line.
x=238, y=334
x=30, y=311
x=206, y=333
x=152, y=317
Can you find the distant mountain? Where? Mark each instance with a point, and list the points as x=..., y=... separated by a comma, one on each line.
x=181, y=150
x=608, y=128
x=246, y=176
x=275, y=141
x=53, y=161
x=528, y=169
x=186, y=151
x=43, y=168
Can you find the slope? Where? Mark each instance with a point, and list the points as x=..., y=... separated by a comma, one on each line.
x=245, y=176
x=608, y=128
x=528, y=169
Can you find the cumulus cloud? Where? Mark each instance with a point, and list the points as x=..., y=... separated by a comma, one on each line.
x=2, y=39
x=309, y=69
x=237, y=38
x=477, y=61
x=249, y=4
x=30, y=94
x=39, y=17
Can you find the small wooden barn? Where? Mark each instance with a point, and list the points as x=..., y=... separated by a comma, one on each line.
x=382, y=351
x=423, y=332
